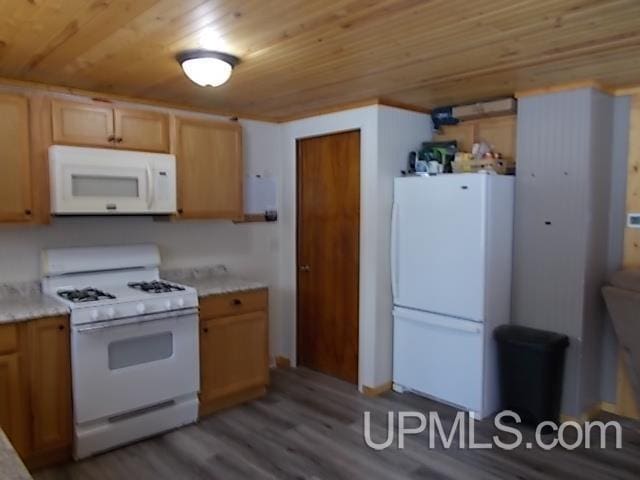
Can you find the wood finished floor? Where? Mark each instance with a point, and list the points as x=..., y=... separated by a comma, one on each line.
x=310, y=426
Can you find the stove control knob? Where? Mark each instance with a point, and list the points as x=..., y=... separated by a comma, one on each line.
x=167, y=305
x=140, y=308
x=180, y=302
x=94, y=315
x=111, y=312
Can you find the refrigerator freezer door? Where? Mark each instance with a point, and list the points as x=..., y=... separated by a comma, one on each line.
x=438, y=244
x=439, y=356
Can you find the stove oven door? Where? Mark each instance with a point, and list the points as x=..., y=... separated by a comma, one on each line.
x=128, y=365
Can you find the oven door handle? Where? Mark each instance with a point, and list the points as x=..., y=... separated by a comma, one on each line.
x=121, y=322
x=150, y=188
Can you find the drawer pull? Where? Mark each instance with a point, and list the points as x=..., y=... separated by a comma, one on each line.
x=236, y=302
x=205, y=330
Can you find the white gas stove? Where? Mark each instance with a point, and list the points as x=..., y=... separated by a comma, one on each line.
x=134, y=343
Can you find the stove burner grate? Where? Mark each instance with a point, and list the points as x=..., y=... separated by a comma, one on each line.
x=83, y=295
x=156, y=286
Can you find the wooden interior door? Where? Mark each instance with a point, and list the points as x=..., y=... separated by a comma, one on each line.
x=15, y=179
x=328, y=253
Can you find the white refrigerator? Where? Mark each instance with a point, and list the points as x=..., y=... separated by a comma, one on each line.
x=451, y=247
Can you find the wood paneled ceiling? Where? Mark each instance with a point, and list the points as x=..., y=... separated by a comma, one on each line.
x=302, y=56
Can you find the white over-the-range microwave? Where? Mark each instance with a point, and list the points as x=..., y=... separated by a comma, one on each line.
x=100, y=181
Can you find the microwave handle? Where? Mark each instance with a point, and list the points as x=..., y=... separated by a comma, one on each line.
x=150, y=187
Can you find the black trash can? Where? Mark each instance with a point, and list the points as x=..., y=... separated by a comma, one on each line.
x=531, y=365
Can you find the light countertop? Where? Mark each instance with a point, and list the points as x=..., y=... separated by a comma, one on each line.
x=24, y=301
x=211, y=280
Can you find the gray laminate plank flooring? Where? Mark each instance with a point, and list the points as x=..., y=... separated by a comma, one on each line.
x=310, y=426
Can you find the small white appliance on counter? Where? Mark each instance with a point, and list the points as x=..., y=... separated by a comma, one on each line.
x=101, y=181
x=134, y=344
x=451, y=252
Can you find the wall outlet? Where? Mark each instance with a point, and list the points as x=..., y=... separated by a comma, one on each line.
x=633, y=220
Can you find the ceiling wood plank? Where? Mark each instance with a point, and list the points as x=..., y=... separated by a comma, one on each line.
x=300, y=56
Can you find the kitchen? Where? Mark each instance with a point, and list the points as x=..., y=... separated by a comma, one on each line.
x=108, y=95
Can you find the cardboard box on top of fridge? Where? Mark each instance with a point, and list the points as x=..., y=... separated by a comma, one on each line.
x=503, y=106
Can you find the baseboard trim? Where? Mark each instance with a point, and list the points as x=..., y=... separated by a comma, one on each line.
x=609, y=408
x=375, y=391
x=282, y=362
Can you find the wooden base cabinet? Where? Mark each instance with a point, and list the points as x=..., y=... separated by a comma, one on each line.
x=234, y=352
x=35, y=389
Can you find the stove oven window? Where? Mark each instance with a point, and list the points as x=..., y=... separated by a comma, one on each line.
x=139, y=350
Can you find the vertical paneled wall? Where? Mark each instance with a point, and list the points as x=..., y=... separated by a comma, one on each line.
x=561, y=227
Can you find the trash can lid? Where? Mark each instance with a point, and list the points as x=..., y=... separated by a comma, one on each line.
x=626, y=279
x=531, y=338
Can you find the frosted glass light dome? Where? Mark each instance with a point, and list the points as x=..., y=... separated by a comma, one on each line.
x=207, y=68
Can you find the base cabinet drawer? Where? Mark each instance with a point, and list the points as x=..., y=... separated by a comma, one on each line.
x=233, y=303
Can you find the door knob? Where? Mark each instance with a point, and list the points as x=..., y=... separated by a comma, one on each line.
x=305, y=268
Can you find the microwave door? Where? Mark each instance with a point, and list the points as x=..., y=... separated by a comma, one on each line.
x=94, y=189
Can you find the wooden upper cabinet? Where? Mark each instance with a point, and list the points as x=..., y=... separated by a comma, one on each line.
x=95, y=125
x=50, y=381
x=15, y=163
x=209, y=161
x=77, y=123
x=142, y=130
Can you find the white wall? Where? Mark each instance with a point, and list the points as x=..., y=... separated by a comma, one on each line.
x=399, y=131
x=383, y=155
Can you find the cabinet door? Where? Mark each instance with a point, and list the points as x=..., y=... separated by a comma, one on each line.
x=14, y=417
x=82, y=124
x=233, y=355
x=50, y=379
x=15, y=171
x=142, y=130
x=209, y=158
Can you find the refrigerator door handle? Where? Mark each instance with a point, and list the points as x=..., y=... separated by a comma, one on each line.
x=453, y=324
x=394, y=252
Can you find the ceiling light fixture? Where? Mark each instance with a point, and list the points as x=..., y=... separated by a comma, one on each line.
x=205, y=67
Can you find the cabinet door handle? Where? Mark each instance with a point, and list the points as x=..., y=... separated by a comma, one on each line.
x=119, y=139
x=180, y=210
x=205, y=330
x=111, y=138
x=236, y=302
x=27, y=212
x=60, y=327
